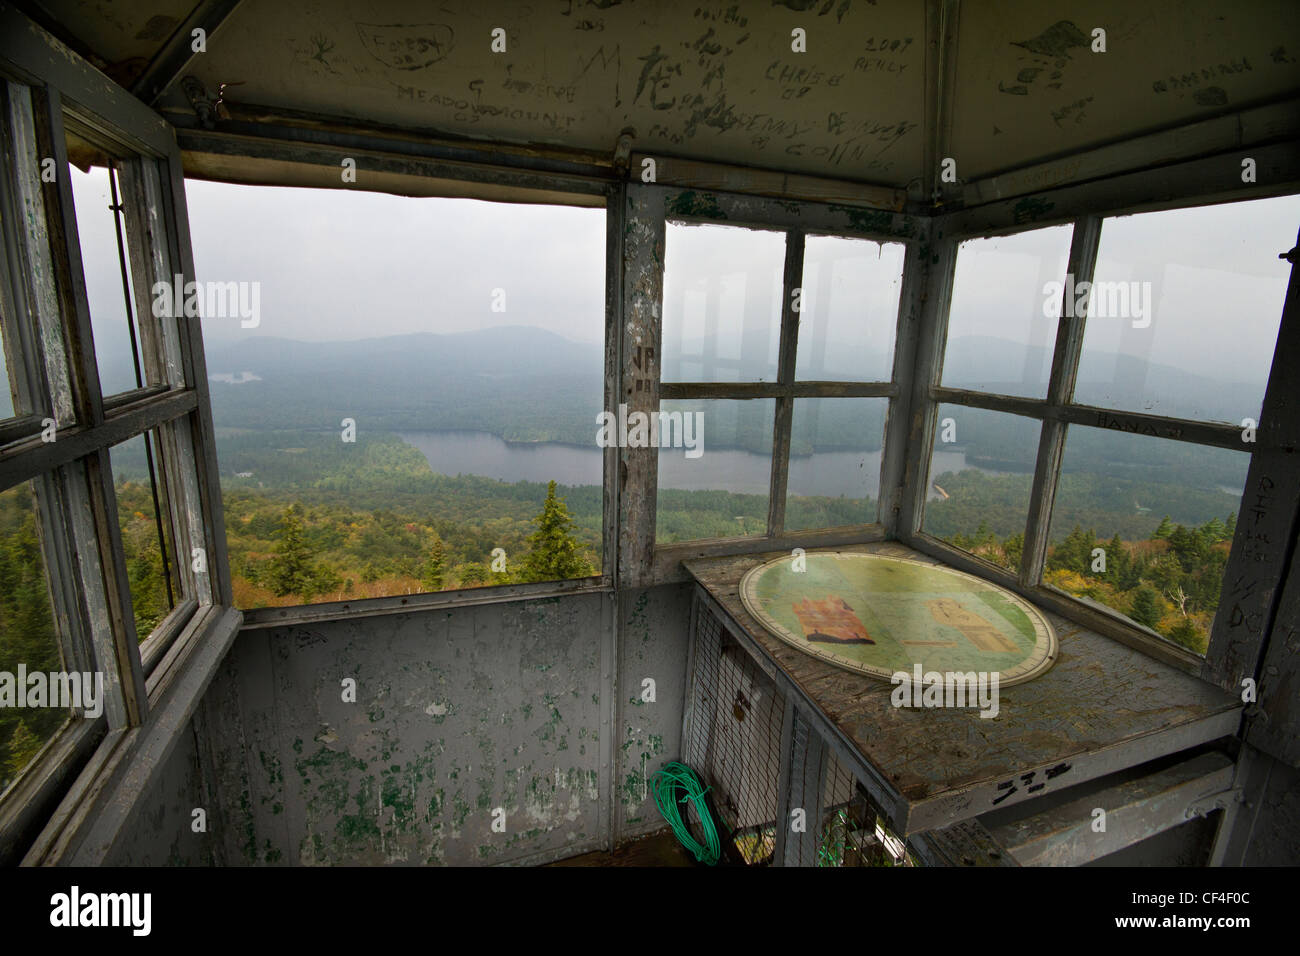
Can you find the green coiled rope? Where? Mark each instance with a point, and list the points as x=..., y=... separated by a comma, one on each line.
x=666, y=784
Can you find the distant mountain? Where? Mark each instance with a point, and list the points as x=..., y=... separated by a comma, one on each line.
x=522, y=383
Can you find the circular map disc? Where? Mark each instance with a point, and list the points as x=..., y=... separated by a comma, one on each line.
x=879, y=615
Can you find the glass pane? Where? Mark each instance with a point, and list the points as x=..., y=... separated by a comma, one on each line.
x=1162, y=514
x=9, y=400
x=722, y=303
x=96, y=230
x=849, y=309
x=466, y=407
x=834, y=474
x=719, y=487
x=999, y=336
x=27, y=638
x=1185, y=307
x=981, y=473
x=146, y=542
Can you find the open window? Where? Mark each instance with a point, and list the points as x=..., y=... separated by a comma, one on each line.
x=113, y=561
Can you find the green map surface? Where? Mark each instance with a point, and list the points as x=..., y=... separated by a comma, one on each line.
x=878, y=615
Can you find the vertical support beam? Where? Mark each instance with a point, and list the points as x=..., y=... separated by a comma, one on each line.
x=643, y=281
x=202, y=435
x=1252, y=605
x=784, y=779
x=941, y=17
x=911, y=303
x=793, y=276
x=931, y=338
x=806, y=785
x=1060, y=390
x=615, y=217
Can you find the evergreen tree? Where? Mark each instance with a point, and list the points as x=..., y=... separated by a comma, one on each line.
x=435, y=568
x=290, y=570
x=23, y=746
x=1146, y=607
x=473, y=574
x=554, y=555
x=1165, y=530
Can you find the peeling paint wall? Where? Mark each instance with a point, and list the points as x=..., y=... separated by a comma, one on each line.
x=459, y=713
x=654, y=647
x=160, y=830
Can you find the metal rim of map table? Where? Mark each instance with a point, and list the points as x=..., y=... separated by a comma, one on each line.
x=1038, y=662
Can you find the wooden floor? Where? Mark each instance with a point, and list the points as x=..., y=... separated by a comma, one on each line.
x=658, y=849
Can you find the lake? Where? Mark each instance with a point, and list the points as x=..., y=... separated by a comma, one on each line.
x=830, y=474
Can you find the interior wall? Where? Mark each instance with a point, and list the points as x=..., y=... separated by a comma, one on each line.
x=459, y=712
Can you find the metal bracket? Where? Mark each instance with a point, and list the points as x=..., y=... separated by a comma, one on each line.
x=204, y=106
x=1219, y=801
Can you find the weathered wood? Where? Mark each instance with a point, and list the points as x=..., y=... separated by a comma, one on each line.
x=201, y=485
x=170, y=62
x=1180, y=184
x=643, y=280
x=893, y=464
x=1263, y=549
x=34, y=795
x=695, y=174
x=689, y=205
x=19, y=462
x=1060, y=390
x=804, y=787
x=784, y=413
x=37, y=56
x=615, y=210
x=1137, y=808
x=668, y=559
x=751, y=390
x=966, y=843
x=931, y=339
x=1235, y=132
x=108, y=796
x=1102, y=707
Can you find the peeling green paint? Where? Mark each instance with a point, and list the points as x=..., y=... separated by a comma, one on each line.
x=1032, y=208
x=691, y=203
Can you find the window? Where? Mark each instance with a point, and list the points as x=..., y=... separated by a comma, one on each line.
x=396, y=388
x=105, y=554
x=1153, y=427
x=981, y=473
x=787, y=392
x=998, y=338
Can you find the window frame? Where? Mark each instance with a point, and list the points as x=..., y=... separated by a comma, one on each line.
x=1057, y=411
x=43, y=91
x=650, y=207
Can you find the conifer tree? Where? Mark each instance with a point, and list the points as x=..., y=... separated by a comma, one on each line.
x=555, y=553
x=435, y=568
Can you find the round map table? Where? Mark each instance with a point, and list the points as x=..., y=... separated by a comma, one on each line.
x=879, y=615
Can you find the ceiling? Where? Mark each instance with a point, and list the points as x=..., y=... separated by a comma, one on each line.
x=718, y=80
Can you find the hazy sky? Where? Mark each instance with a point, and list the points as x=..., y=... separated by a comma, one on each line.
x=338, y=264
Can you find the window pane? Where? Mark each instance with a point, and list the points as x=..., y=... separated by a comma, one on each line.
x=981, y=473
x=96, y=230
x=27, y=633
x=722, y=303
x=465, y=342
x=1163, y=514
x=146, y=542
x=834, y=474
x=718, y=489
x=9, y=399
x=849, y=309
x=1185, y=308
x=999, y=339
